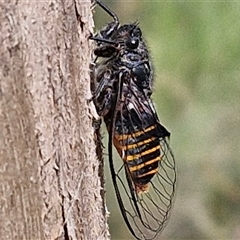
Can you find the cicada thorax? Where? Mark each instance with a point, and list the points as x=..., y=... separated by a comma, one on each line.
x=130, y=68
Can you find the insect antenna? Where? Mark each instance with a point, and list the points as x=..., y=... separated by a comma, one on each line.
x=108, y=10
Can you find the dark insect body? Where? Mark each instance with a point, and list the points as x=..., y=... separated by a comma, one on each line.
x=145, y=181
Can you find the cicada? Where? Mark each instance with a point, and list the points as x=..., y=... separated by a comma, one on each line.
x=145, y=180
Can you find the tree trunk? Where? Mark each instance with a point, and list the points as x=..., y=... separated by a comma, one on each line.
x=49, y=183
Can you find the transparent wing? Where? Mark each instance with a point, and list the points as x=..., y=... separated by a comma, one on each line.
x=144, y=187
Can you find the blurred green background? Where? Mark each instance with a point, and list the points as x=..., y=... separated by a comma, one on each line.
x=195, y=49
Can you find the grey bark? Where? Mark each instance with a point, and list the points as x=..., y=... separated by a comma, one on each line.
x=49, y=184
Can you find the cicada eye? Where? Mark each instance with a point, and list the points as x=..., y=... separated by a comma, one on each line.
x=132, y=43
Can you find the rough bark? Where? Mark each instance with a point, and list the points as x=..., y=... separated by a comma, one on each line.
x=49, y=182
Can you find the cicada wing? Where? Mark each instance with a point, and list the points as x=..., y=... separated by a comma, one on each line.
x=145, y=182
